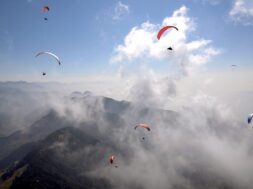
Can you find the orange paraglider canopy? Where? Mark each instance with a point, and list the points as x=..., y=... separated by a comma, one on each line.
x=143, y=125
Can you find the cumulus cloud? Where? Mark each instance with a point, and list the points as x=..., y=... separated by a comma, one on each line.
x=242, y=12
x=120, y=10
x=141, y=43
x=152, y=88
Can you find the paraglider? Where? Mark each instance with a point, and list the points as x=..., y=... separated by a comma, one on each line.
x=45, y=9
x=250, y=118
x=51, y=54
x=160, y=33
x=142, y=125
x=111, y=160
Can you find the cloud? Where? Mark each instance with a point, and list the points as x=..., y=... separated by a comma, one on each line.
x=151, y=88
x=141, y=43
x=156, y=89
x=120, y=10
x=204, y=146
x=242, y=12
x=212, y=2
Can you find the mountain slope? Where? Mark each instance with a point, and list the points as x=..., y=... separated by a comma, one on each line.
x=61, y=161
x=40, y=129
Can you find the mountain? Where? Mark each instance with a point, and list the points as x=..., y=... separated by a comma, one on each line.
x=16, y=155
x=61, y=160
x=38, y=130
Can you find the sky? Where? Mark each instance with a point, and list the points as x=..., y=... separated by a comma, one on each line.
x=90, y=37
x=110, y=48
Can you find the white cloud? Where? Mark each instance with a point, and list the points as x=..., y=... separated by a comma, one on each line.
x=120, y=10
x=141, y=42
x=242, y=12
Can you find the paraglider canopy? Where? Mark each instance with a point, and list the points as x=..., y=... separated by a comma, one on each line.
x=111, y=159
x=250, y=118
x=45, y=9
x=50, y=54
x=143, y=125
x=160, y=33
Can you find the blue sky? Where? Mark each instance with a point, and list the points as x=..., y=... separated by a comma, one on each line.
x=84, y=34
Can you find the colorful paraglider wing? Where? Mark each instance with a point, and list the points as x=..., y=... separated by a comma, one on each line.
x=46, y=9
x=160, y=33
x=51, y=54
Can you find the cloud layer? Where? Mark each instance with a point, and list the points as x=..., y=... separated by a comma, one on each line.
x=242, y=12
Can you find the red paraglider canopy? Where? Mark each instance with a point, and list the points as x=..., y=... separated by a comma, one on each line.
x=111, y=159
x=160, y=33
